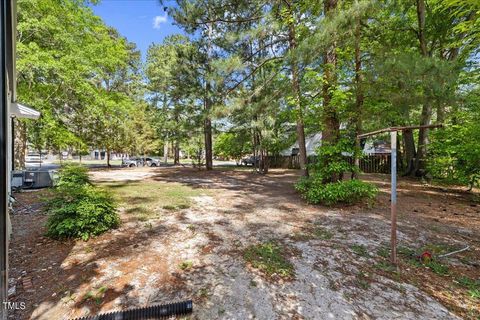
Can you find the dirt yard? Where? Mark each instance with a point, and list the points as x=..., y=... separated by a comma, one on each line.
x=195, y=250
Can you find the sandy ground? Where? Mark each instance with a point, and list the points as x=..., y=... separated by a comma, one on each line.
x=138, y=264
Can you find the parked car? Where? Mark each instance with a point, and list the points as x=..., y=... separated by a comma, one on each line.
x=251, y=160
x=131, y=162
x=140, y=162
x=33, y=157
x=151, y=162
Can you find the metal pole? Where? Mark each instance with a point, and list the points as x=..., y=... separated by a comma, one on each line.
x=4, y=151
x=393, y=204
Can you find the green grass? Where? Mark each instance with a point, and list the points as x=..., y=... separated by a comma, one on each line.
x=147, y=199
x=362, y=281
x=437, y=267
x=473, y=286
x=360, y=250
x=322, y=233
x=186, y=265
x=96, y=295
x=384, y=252
x=438, y=248
x=386, y=266
x=269, y=258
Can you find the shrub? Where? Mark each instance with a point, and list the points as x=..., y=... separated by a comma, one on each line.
x=325, y=186
x=71, y=176
x=79, y=209
x=347, y=191
x=455, y=154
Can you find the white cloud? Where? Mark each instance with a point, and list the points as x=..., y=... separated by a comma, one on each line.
x=158, y=20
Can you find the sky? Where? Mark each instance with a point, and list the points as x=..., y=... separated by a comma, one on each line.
x=141, y=21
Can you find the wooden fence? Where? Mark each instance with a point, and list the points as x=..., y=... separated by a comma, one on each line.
x=378, y=163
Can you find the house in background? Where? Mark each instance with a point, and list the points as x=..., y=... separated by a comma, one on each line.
x=373, y=147
x=314, y=141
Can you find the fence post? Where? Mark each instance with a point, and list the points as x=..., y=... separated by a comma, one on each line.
x=393, y=204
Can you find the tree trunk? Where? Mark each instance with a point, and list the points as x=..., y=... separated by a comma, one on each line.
x=426, y=115
x=421, y=27
x=208, y=143
x=176, y=153
x=298, y=102
x=207, y=128
x=409, y=151
x=331, y=123
x=108, y=157
x=20, y=144
x=208, y=106
x=165, y=151
x=359, y=97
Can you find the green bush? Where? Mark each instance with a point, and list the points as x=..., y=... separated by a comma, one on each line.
x=79, y=209
x=72, y=175
x=325, y=184
x=346, y=191
x=455, y=154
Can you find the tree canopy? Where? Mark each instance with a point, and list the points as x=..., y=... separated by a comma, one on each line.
x=252, y=78
x=82, y=75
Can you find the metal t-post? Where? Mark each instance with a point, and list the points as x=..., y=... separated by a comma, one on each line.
x=393, y=203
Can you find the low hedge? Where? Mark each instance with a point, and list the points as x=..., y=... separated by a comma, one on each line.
x=345, y=191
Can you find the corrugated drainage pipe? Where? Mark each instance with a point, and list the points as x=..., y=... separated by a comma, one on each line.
x=163, y=311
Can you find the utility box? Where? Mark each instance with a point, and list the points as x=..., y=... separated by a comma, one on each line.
x=17, y=179
x=37, y=179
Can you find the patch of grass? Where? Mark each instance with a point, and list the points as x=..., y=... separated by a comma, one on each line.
x=437, y=267
x=362, y=281
x=472, y=285
x=438, y=248
x=317, y=232
x=186, y=265
x=359, y=249
x=144, y=198
x=268, y=257
x=322, y=233
x=409, y=255
x=143, y=218
x=405, y=253
x=386, y=266
x=203, y=293
x=301, y=236
x=474, y=293
x=383, y=252
x=96, y=295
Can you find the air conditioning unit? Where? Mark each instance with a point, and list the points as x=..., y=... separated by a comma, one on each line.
x=37, y=179
x=17, y=179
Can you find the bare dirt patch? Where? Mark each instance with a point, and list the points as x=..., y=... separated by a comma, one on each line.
x=334, y=252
